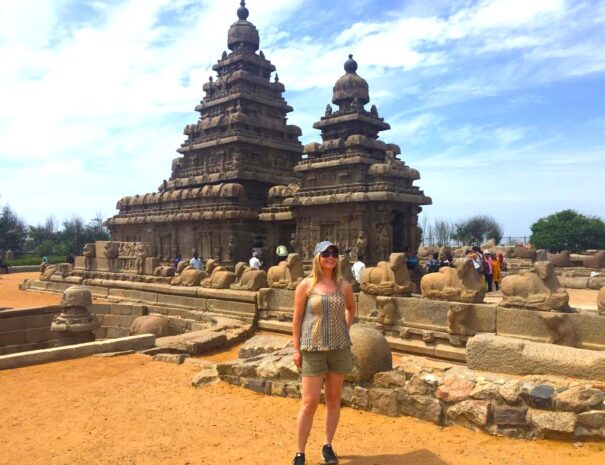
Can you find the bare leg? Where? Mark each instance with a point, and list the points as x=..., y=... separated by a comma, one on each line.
x=332, y=392
x=311, y=389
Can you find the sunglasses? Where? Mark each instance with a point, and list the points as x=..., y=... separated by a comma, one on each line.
x=327, y=253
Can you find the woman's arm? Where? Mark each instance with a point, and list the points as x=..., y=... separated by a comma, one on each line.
x=300, y=299
x=350, y=308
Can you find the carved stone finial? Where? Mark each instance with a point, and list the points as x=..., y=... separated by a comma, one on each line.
x=374, y=110
x=224, y=57
x=276, y=77
x=242, y=11
x=351, y=65
x=328, y=110
x=261, y=54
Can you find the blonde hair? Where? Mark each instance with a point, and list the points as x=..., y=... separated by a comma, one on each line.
x=316, y=273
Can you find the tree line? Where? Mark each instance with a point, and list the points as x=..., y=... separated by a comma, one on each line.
x=564, y=230
x=49, y=238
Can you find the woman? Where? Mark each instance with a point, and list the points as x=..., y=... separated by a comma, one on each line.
x=324, y=308
x=496, y=273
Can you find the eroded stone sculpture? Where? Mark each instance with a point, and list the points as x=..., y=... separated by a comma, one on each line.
x=521, y=251
x=387, y=278
x=150, y=324
x=164, y=271
x=461, y=284
x=560, y=327
x=561, y=260
x=219, y=277
x=189, y=277
x=387, y=310
x=89, y=252
x=75, y=324
x=457, y=315
x=248, y=279
x=287, y=274
x=601, y=301
x=345, y=271
x=537, y=289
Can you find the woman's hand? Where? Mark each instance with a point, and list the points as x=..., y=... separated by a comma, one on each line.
x=297, y=358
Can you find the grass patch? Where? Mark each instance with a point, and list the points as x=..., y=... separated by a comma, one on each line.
x=25, y=261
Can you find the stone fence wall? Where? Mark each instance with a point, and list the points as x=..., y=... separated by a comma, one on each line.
x=27, y=329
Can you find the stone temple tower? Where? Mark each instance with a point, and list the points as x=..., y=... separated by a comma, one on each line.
x=353, y=189
x=240, y=147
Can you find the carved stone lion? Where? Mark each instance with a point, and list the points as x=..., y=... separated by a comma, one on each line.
x=248, y=279
x=596, y=261
x=219, y=276
x=538, y=289
x=461, y=284
x=387, y=278
x=287, y=274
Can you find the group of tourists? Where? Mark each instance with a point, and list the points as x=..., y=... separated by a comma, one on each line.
x=489, y=265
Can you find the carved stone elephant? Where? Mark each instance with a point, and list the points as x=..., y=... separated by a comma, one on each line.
x=538, y=289
x=387, y=278
x=461, y=284
x=287, y=274
x=248, y=279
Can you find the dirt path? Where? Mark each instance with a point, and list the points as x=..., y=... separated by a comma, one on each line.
x=11, y=296
x=130, y=410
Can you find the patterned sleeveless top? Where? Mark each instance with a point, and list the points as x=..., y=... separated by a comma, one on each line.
x=324, y=326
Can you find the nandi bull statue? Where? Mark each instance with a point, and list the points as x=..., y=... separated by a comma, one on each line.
x=387, y=278
x=461, y=284
x=538, y=289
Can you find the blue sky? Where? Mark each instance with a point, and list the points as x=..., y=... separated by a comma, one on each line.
x=500, y=104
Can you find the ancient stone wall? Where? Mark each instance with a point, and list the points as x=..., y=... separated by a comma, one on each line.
x=27, y=329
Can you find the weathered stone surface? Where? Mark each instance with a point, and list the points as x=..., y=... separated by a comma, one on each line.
x=505, y=416
x=485, y=391
x=416, y=386
x=571, y=282
x=170, y=358
x=195, y=342
x=510, y=391
x=423, y=407
x=601, y=301
x=454, y=389
x=593, y=419
x=148, y=324
x=387, y=278
x=494, y=353
x=205, y=376
x=556, y=422
x=262, y=345
x=371, y=353
x=360, y=398
x=540, y=397
x=463, y=284
x=596, y=282
x=579, y=399
x=384, y=401
x=475, y=411
x=392, y=378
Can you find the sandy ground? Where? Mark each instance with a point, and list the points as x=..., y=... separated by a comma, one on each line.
x=131, y=410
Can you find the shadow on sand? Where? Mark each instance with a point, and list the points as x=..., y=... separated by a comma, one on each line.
x=417, y=457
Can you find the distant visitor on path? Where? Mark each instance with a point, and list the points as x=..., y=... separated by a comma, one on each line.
x=196, y=262
x=488, y=270
x=433, y=265
x=324, y=308
x=496, y=273
x=358, y=268
x=255, y=262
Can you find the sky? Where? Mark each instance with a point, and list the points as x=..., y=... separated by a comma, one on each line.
x=500, y=104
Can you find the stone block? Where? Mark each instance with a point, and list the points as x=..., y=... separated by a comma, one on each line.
x=24, y=322
x=172, y=358
x=11, y=338
x=113, y=332
x=384, y=401
x=360, y=398
x=552, y=422
x=505, y=416
x=573, y=282
x=279, y=299
x=540, y=397
x=454, y=389
x=117, y=293
x=120, y=309
x=487, y=352
x=99, y=292
x=596, y=283
x=141, y=296
x=593, y=419
x=99, y=309
x=391, y=378
x=423, y=407
x=263, y=344
x=206, y=376
x=111, y=320
x=139, y=342
x=510, y=391
x=178, y=300
x=475, y=412
x=579, y=399
x=423, y=313
x=40, y=335
x=228, y=306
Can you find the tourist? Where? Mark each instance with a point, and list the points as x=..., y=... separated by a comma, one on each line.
x=433, y=265
x=488, y=270
x=322, y=356
x=3, y=266
x=496, y=273
x=358, y=268
x=70, y=259
x=503, y=264
x=255, y=262
x=177, y=260
x=196, y=262
x=412, y=259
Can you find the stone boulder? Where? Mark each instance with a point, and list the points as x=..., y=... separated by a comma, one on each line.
x=263, y=345
x=371, y=353
x=488, y=352
x=150, y=324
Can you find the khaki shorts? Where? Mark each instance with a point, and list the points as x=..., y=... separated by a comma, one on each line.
x=317, y=363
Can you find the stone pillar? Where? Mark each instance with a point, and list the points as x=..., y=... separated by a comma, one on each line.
x=75, y=324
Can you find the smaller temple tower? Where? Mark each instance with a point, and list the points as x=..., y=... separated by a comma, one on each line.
x=354, y=190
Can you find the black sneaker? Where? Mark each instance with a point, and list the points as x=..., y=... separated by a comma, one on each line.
x=328, y=454
x=299, y=459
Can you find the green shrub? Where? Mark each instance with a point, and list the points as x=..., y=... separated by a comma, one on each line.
x=26, y=261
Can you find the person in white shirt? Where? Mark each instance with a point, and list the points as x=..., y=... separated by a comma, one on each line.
x=255, y=262
x=358, y=268
x=196, y=262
